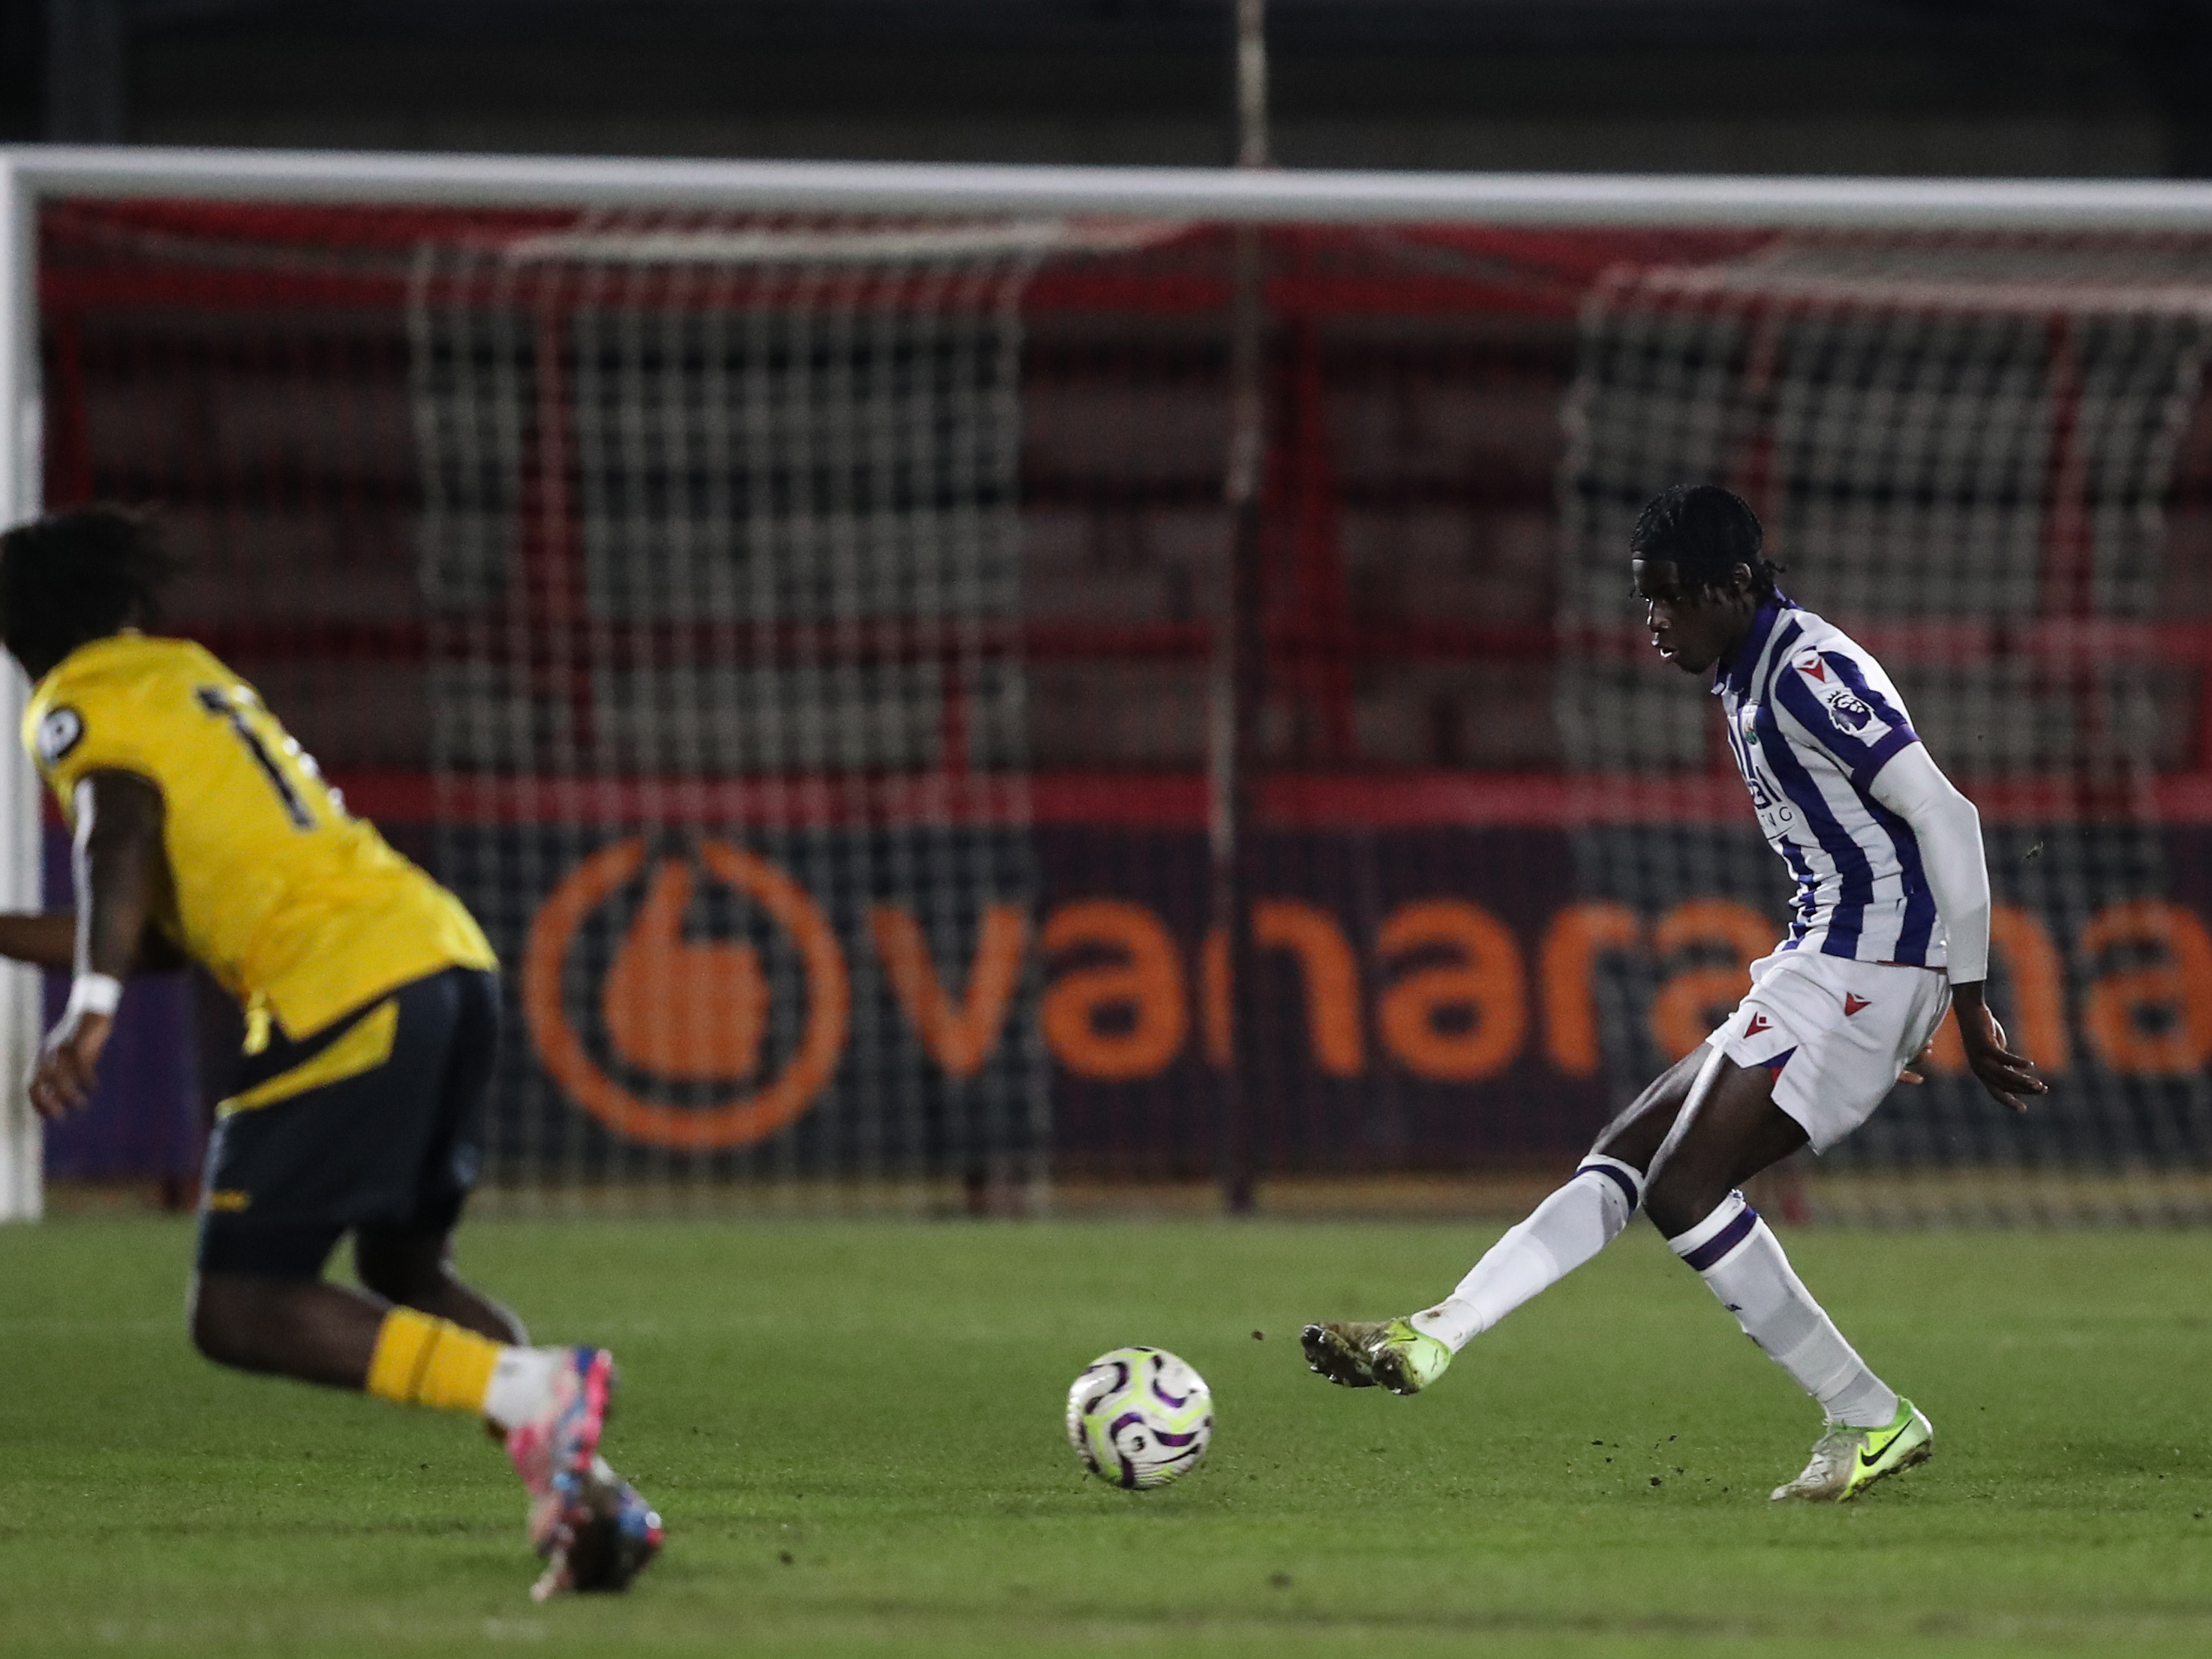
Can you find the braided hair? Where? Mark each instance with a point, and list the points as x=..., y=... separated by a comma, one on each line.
x=1705, y=532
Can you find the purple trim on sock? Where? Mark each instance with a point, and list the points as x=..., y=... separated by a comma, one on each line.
x=1724, y=1240
x=1619, y=1178
x=1779, y=1060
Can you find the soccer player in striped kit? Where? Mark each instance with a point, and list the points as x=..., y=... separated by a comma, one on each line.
x=1890, y=927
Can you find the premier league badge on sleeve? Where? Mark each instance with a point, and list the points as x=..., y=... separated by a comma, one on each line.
x=1851, y=712
x=59, y=733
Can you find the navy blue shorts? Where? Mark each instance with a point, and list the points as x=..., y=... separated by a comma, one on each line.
x=375, y=1122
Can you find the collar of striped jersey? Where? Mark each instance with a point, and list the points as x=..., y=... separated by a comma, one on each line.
x=1736, y=667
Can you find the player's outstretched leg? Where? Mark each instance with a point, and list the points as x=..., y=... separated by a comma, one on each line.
x=1370, y=1354
x=1566, y=1230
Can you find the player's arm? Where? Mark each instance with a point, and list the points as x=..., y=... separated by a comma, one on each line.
x=1949, y=831
x=121, y=871
x=44, y=938
x=47, y=938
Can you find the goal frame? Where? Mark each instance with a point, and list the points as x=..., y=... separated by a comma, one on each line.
x=30, y=175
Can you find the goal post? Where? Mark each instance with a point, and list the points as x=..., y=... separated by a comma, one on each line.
x=22, y=1184
x=779, y=597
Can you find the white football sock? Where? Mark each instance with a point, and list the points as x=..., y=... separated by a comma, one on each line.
x=521, y=1384
x=1735, y=1253
x=1566, y=1230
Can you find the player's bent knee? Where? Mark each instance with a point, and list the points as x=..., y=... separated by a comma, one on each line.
x=222, y=1321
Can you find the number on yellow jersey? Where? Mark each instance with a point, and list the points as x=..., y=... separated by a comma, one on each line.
x=230, y=702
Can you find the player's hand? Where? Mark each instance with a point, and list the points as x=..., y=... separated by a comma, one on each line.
x=2005, y=1075
x=68, y=1060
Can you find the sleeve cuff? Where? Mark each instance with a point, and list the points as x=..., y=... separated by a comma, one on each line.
x=1863, y=775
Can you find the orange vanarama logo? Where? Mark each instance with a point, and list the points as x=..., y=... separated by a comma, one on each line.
x=683, y=1010
x=1853, y=1002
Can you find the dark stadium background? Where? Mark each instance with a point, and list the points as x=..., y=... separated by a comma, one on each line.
x=1770, y=86
x=2049, y=87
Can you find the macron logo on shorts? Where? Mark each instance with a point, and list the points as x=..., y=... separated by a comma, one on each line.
x=1853, y=1002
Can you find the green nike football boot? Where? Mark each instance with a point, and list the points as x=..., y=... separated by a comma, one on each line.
x=1847, y=1461
x=1360, y=1354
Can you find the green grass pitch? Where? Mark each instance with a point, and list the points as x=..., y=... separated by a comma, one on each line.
x=854, y=1433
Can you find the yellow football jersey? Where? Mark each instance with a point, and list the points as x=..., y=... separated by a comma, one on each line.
x=296, y=907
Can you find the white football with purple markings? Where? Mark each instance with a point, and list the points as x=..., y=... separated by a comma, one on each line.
x=1140, y=1417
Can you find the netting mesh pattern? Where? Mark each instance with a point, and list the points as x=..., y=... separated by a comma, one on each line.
x=791, y=634
x=709, y=509
x=1969, y=452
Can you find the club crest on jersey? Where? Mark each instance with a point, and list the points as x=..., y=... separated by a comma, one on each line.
x=61, y=730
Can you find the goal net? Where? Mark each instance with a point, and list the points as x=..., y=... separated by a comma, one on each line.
x=1984, y=455
x=790, y=629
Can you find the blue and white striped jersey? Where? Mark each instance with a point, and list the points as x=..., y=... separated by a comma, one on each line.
x=1811, y=718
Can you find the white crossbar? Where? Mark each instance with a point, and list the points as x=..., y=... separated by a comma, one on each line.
x=1314, y=197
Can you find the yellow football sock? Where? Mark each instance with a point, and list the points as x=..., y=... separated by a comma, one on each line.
x=423, y=1361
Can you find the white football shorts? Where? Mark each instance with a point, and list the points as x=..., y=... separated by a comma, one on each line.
x=1834, y=1032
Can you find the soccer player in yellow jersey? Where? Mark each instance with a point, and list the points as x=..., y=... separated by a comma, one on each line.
x=202, y=831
